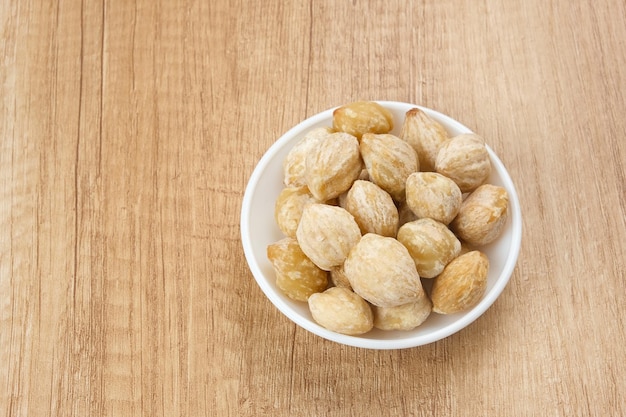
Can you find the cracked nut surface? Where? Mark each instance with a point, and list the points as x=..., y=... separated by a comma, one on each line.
x=342, y=311
x=432, y=195
x=431, y=245
x=326, y=234
x=462, y=283
x=372, y=208
x=362, y=117
x=381, y=271
x=465, y=160
x=389, y=161
x=425, y=135
x=482, y=216
x=333, y=165
x=296, y=276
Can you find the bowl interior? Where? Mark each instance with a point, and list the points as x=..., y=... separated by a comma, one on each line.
x=258, y=230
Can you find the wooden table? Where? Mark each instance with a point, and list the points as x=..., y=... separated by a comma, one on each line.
x=128, y=131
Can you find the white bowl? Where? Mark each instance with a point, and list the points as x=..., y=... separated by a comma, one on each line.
x=259, y=229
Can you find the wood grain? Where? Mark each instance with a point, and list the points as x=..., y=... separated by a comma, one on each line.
x=128, y=130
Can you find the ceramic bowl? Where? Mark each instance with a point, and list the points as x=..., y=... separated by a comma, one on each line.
x=259, y=229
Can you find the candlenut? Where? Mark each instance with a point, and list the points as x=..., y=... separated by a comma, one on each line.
x=366, y=220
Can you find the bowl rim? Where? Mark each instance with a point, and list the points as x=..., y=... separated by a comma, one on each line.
x=356, y=341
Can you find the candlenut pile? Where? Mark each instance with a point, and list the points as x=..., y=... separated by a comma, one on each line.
x=367, y=215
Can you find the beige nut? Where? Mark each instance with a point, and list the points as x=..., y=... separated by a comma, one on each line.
x=402, y=317
x=431, y=245
x=372, y=208
x=289, y=206
x=338, y=277
x=326, y=234
x=333, y=165
x=466, y=247
x=425, y=135
x=341, y=200
x=389, y=161
x=294, y=163
x=296, y=276
x=482, y=216
x=465, y=160
x=342, y=311
x=461, y=285
x=381, y=271
x=405, y=214
x=429, y=194
x=362, y=117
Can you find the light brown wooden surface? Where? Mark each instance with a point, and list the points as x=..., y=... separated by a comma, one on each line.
x=128, y=130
